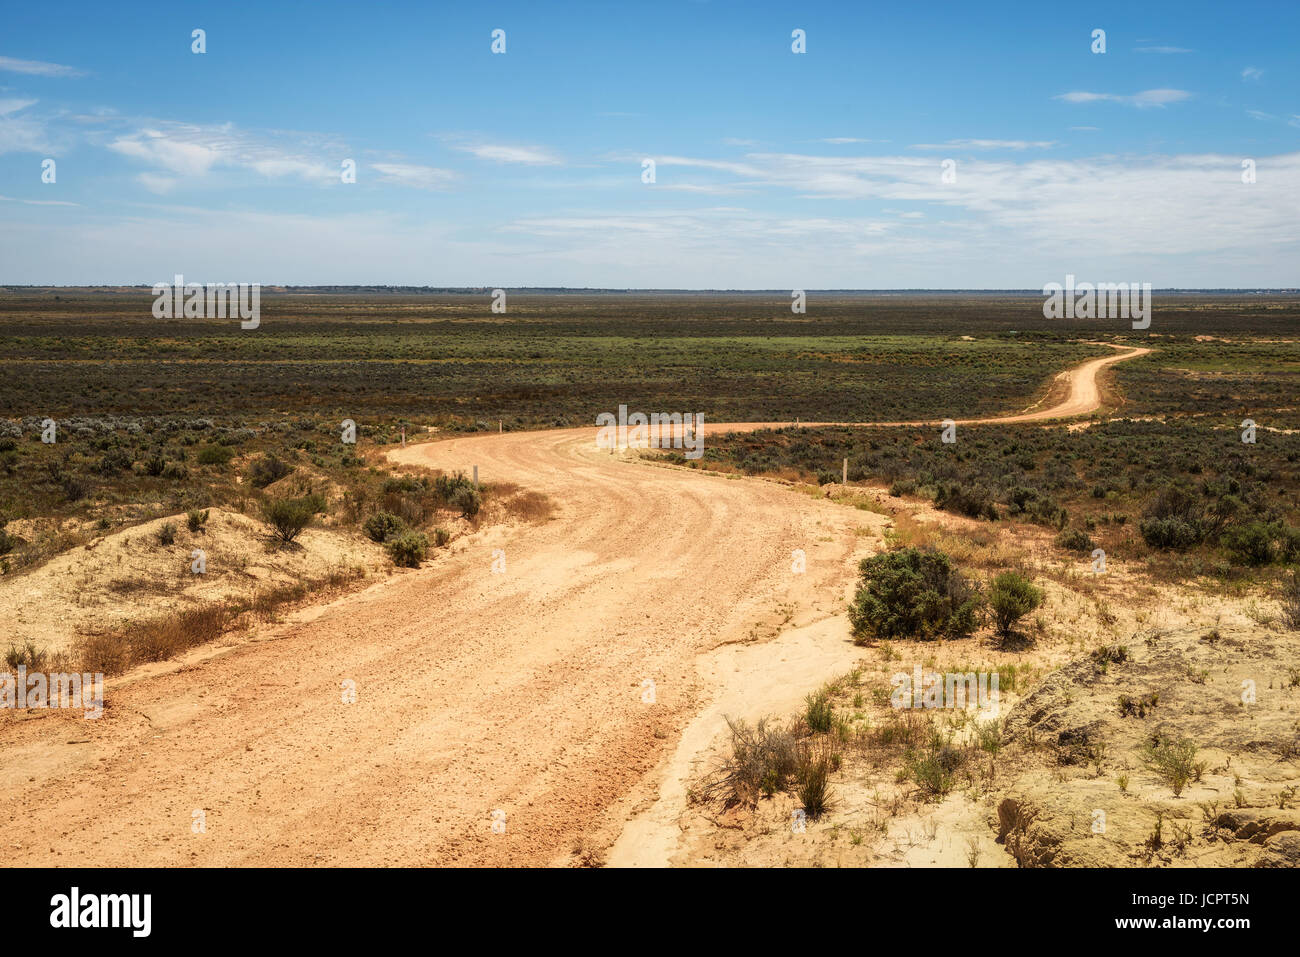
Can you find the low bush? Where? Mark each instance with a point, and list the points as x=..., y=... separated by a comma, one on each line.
x=288, y=517
x=1012, y=596
x=382, y=526
x=913, y=593
x=267, y=469
x=408, y=549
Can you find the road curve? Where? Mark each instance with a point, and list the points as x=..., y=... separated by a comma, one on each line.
x=538, y=698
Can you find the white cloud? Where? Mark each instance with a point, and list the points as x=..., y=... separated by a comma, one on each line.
x=1251, y=73
x=191, y=152
x=1144, y=99
x=498, y=153
x=416, y=177
x=13, y=106
x=37, y=67
x=23, y=133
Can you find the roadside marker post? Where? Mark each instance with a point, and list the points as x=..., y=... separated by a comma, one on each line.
x=846, y=472
x=476, y=476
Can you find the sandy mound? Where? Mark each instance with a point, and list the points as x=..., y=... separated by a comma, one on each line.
x=131, y=576
x=1095, y=800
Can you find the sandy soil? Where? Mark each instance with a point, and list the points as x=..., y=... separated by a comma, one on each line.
x=520, y=696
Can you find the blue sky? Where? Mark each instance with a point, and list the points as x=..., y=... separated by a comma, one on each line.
x=773, y=169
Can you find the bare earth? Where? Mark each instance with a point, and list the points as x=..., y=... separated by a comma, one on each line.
x=526, y=692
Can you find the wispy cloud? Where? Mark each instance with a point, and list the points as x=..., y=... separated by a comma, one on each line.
x=1251, y=73
x=37, y=67
x=986, y=145
x=414, y=176
x=37, y=202
x=22, y=132
x=1146, y=98
x=190, y=152
x=501, y=153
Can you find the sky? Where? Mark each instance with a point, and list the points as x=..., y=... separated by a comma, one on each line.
x=773, y=169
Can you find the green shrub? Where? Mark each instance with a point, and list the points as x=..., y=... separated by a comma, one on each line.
x=382, y=526
x=913, y=593
x=814, y=787
x=215, y=455
x=934, y=769
x=1012, y=596
x=1174, y=518
x=1254, y=543
x=973, y=501
x=441, y=537
x=1174, y=762
x=113, y=462
x=468, y=499
x=167, y=534
x=196, y=520
x=1075, y=540
x=820, y=713
x=289, y=516
x=408, y=549
x=267, y=469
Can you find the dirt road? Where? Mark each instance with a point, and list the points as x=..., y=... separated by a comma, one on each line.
x=549, y=699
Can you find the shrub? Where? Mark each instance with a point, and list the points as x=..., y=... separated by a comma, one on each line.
x=441, y=537
x=763, y=761
x=408, y=549
x=267, y=469
x=1252, y=543
x=1012, y=596
x=27, y=656
x=167, y=534
x=814, y=787
x=1290, y=600
x=215, y=455
x=74, y=489
x=973, y=501
x=1075, y=540
x=113, y=462
x=446, y=486
x=934, y=769
x=154, y=465
x=820, y=713
x=289, y=516
x=175, y=471
x=382, y=526
x=196, y=520
x=913, y=592
x=468, y=499
x=1173, y=518
x=1172, y=761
